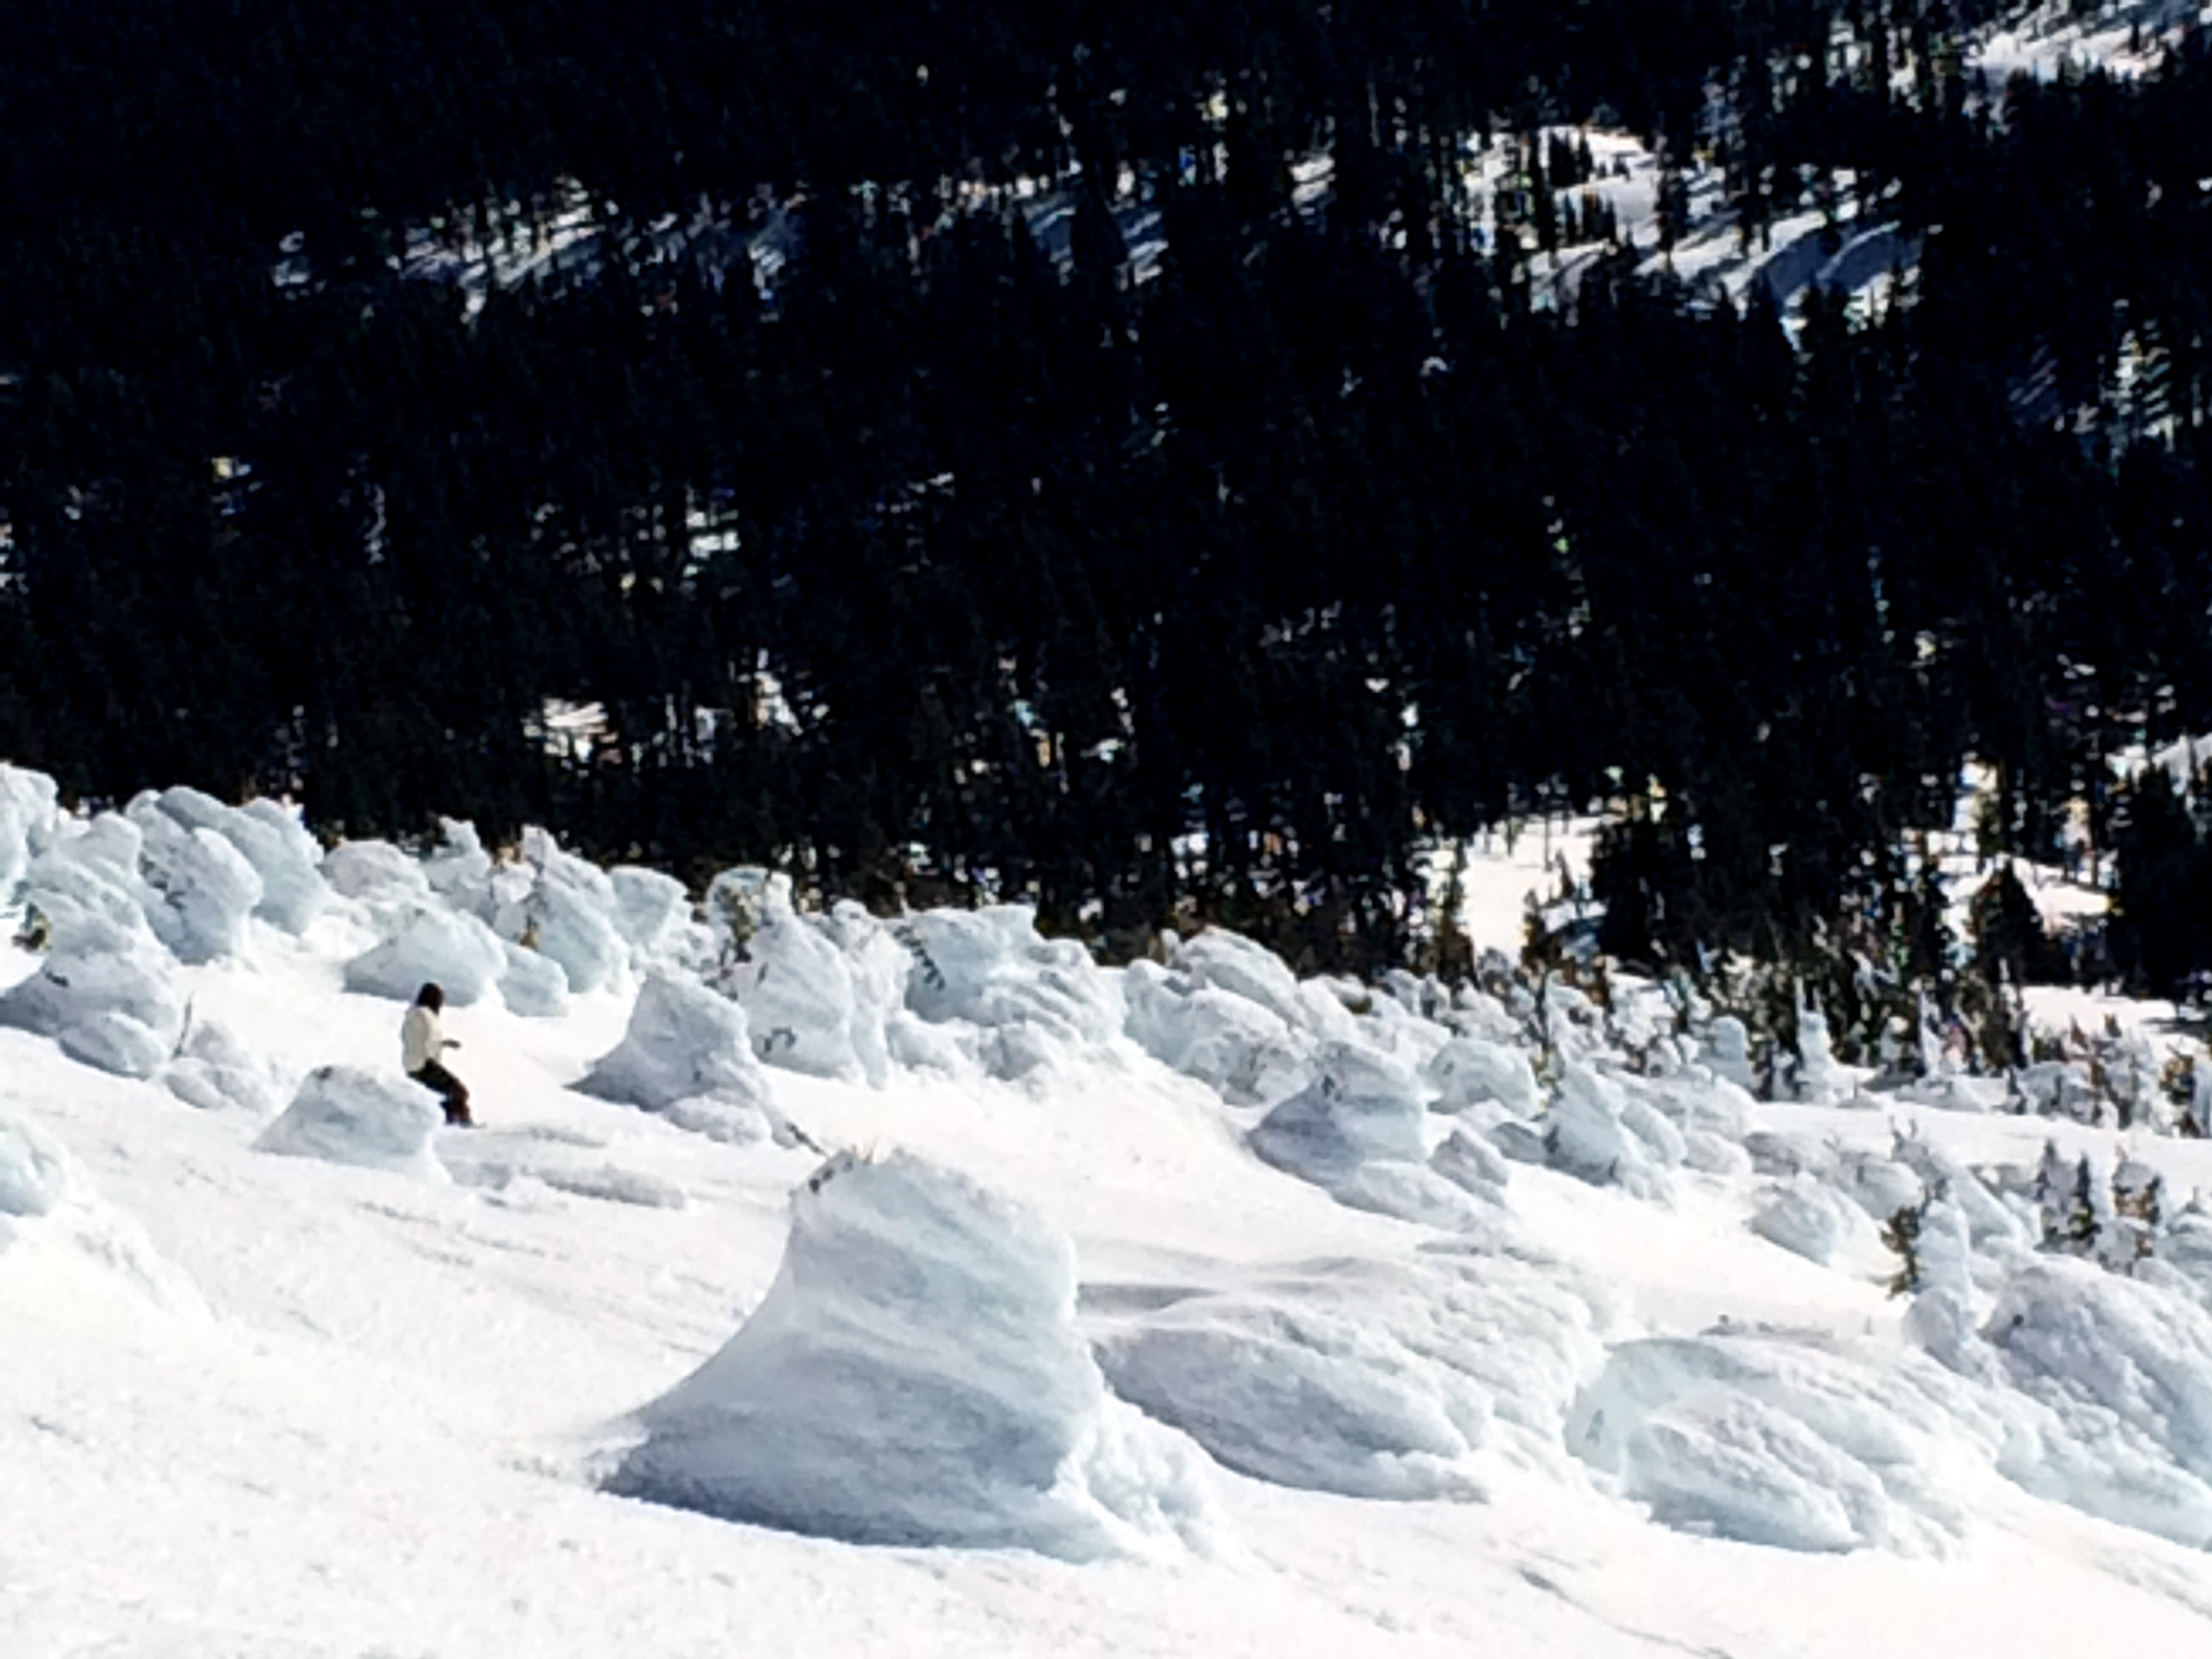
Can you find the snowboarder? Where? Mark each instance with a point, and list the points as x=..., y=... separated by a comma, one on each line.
x=421, y=1045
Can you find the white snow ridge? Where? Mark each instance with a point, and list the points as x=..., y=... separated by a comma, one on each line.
x=915, y=1376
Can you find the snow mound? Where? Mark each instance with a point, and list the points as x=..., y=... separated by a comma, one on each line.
x=1601, y=1132
x=533, y=985
x=344, y=1114
x=796, y=989
x=105, y=990
x=1767, y=1439
x=214, y=1072
x=29, y=819
x=1468, y=1070
x=1359, y=1131
x=877, y=963
x=1374, y=1379
x=652, y=913
x=284, y=856
x=915, y=1376
x=1239, y=1048
x=2092, y=1344
x=432, y=947
x=377, y=873
x=1035, y=1003
x=683, y=1042
x=568, y=905
x=1812, y=1219
x=61, y=1243
x=208, y=888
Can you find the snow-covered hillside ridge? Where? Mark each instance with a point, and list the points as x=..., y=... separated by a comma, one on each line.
x=831, y=1283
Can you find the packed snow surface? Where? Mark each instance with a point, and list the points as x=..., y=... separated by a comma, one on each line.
x=1016, y=1305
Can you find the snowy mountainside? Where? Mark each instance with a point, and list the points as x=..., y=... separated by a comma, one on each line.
x=1186, y=1309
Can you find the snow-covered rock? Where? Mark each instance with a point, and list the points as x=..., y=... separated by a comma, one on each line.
x=915, y=1376
x=683, y=1041
x=375, y=1120
x=432, y=947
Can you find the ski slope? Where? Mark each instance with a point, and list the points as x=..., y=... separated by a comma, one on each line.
x=261, y=1405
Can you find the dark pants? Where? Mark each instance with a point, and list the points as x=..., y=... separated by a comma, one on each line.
x=435, y=1076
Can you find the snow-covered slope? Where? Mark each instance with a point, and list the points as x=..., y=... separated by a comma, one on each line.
x=1110, y=1368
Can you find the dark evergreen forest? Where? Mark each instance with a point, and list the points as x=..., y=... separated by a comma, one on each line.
x=928, y=564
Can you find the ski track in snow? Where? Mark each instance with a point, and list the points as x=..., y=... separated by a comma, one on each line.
x=374, y=1419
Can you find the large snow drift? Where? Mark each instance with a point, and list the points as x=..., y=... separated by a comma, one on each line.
x=915, y=1376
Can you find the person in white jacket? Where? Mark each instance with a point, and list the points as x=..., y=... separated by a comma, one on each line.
x=422, y=1047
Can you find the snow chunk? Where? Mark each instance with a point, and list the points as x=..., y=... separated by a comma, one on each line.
x=652, y=913
x=432, y=947
x=877, y=963
x=915, y=1376
x=344, y=1114
x=1358, y=1133
x=569, y=904
x=1374, y=1379
x=33, y=1173
x=683, y=1041
x=60, y=1242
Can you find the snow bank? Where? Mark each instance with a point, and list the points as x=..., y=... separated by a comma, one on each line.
x=1374, y=1379
x=683, y=1042
x=344, y=1114
x=915, y=1376
x=1359, y=1133
x=432, y=947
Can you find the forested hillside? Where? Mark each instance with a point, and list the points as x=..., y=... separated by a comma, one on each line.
x=374, y=386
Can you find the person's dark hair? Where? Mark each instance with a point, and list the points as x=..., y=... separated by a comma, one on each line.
x=431, y=996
